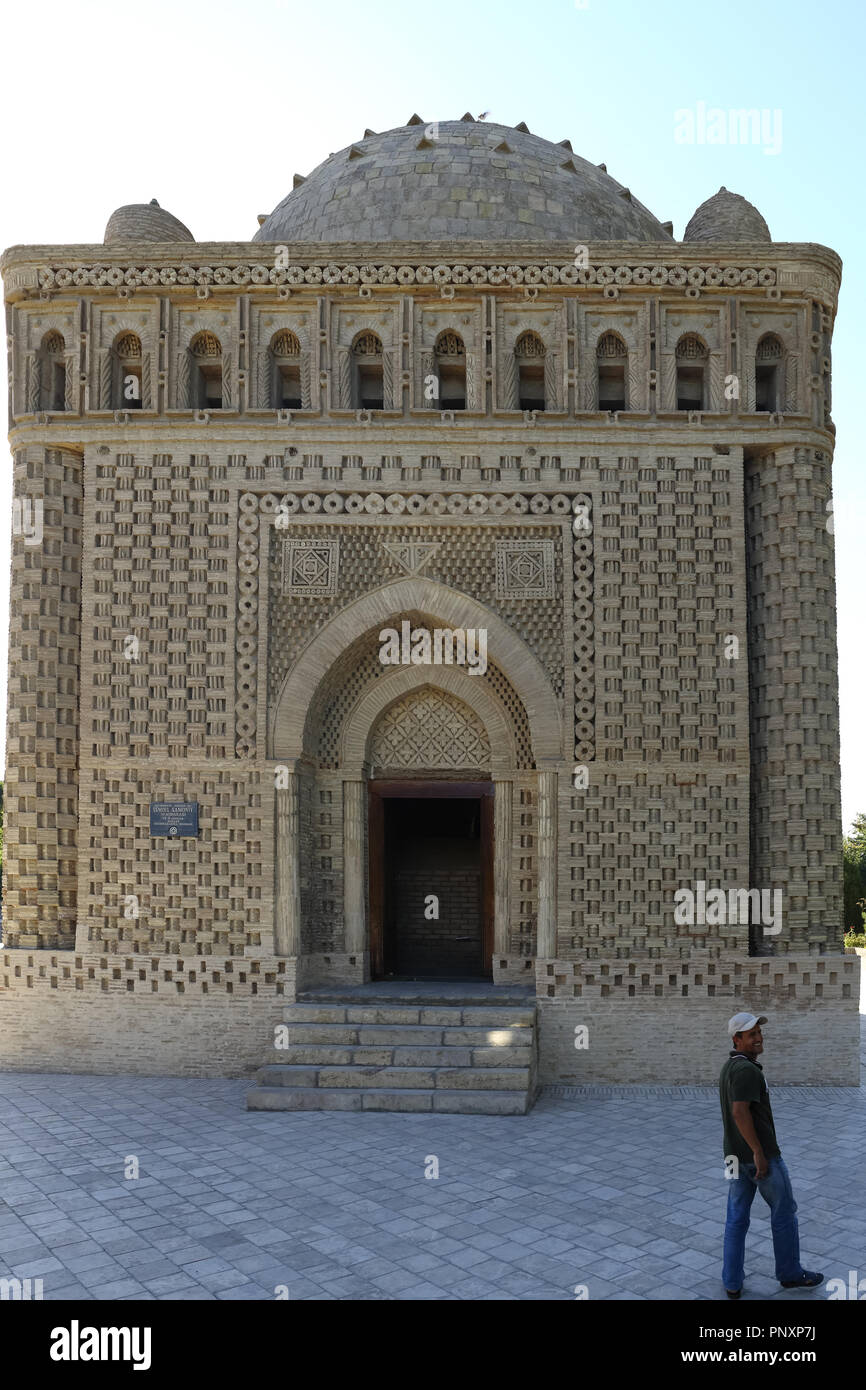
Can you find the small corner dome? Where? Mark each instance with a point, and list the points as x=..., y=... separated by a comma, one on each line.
x=727, y=217
x=145, y=222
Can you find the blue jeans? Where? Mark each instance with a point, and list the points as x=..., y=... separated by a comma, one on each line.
x=775, y=1188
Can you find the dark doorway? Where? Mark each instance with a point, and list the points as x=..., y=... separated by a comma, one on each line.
x=430, y=881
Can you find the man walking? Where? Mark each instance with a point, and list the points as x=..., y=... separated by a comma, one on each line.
x=752, y=1152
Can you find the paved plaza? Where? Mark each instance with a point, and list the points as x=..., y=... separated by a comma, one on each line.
x=617, y=1189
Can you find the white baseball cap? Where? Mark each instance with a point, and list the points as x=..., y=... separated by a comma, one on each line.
x=741, y=1023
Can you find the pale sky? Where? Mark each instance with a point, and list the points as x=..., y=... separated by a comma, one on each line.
x=212, y=108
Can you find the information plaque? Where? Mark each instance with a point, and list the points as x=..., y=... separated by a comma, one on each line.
x=174, y=818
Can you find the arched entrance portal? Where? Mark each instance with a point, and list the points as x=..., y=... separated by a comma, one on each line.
x=405, y=778
x=430, y=838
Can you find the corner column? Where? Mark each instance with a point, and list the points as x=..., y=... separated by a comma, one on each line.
x=502, y=836
x=353, y=868
x=287, y=930
x=547, y=835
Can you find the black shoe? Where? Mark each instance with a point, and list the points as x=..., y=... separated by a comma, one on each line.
x=807, y=1280
x=733, y=1293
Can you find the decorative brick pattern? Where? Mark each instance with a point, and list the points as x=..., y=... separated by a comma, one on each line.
x=430, y=729
x=465, y=560
x=310, y=568
x=669, y=588
x=702, y=976
x=193, y=897
x=525, y=569
x=42, y=729
x=634, y=839
x=359, y=667
x=795, y=813
x=157, y=607
x=145, y=973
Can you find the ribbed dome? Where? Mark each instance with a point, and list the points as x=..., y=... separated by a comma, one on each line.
x=727, y=217
x=462, y=180
x=145, y=222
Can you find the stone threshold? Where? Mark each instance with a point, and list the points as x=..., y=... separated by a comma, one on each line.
x=454, y=992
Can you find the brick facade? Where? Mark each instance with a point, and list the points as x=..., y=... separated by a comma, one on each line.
x=200, y=621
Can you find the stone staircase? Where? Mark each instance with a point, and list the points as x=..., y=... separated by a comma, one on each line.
x=454, y=1058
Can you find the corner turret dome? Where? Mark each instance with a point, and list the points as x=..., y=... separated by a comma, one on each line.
x=463, y=180
x=145, y=222
x=727, y=217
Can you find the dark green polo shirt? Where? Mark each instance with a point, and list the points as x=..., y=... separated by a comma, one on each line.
x=743, y=1079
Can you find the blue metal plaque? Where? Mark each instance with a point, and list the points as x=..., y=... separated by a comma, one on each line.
x=174, y=818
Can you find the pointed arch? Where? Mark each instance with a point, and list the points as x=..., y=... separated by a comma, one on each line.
x=446, y=608
x=377, y=699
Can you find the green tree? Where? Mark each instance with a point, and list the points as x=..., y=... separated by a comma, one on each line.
x=854, y=862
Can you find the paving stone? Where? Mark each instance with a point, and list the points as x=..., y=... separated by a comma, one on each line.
x=269, y=1200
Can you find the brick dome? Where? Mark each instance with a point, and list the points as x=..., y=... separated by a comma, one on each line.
x=727, y=217
x=460, y=180
x=145, y=222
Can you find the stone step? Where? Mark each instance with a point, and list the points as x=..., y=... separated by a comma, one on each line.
x=407, y=1035
x=397, y=1078
x=422, y=993
x=333, y=1055
x=440, y=1101
x=494, y=1016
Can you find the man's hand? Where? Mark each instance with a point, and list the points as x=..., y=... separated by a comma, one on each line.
x=760, y=1163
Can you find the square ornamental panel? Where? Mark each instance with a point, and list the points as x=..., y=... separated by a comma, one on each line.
x=310, y=568
x=525, y=569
